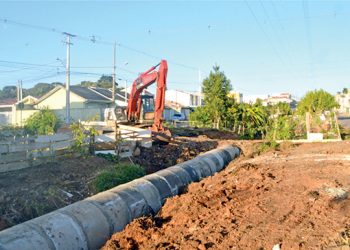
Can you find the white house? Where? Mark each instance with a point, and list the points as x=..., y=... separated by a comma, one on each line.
x=344, y=102
x=185, y=99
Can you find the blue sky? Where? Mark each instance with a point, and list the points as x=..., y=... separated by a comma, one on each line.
x=262, y=46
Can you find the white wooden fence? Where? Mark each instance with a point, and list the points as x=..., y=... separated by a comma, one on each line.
x=24, y=152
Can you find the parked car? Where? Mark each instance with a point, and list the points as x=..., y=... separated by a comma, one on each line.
x=178, y=117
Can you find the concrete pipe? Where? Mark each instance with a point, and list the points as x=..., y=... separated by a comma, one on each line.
x=89, y=223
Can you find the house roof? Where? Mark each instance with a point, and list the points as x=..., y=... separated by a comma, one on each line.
x=119, y=94
x=88, y=94
x=9, y=101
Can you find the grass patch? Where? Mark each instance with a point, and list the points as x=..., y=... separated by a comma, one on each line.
x=265, y=147
x=120, y=174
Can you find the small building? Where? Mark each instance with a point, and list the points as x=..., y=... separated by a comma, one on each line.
x=343, y=100
x=185, y=99
x=238, y=97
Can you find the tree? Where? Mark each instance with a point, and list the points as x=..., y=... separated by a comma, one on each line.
x=43, y=122
x=40, y=89
x=317, y=101
x=216, y=88
x=105, y=82
x=345, y=91
x=8, y=92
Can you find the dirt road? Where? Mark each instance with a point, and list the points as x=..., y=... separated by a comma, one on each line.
x=296, y=198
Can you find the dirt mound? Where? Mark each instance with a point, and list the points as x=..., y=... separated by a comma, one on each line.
x=296, y=198
x=180, y=150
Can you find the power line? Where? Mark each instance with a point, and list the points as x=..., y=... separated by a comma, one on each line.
x=267, y=36
x=93, y=39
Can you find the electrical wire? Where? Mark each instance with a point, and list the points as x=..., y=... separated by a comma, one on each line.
x=93, y=40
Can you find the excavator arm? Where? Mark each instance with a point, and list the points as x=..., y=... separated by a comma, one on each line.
x=143, y=81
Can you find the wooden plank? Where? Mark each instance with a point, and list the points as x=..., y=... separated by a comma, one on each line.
x=13, y=157
x=14, y=166
x=54, y=137
x=4, y=148
x=27, y=147
x=62, y=144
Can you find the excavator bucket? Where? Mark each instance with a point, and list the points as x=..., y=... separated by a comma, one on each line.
x=162, y=137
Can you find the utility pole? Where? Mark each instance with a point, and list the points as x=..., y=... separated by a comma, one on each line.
x=126, y=93
x=20, y=91
x=68, y=43
x=200, y=87
x=113, y=82
x=18, y=86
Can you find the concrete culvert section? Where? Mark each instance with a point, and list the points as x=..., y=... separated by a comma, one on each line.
x=89, y=223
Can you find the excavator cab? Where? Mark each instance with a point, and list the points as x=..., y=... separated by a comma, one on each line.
x=147, y=109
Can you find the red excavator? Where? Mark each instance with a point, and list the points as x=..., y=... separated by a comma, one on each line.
x=142, y=109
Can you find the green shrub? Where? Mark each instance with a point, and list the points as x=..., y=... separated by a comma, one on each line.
x=122, y=173
x=43, y=122
x=109, y=157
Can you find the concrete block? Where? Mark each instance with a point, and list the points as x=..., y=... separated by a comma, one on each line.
x=202, y=169
x=149, y=192
x=114, y=208
x=190, y=171
x=174, y=181
x=161, y=184
x=134, y=199
x=91, y=219
x=182, y=174
x=24, y=238
x=63, y=231
x=209, y=160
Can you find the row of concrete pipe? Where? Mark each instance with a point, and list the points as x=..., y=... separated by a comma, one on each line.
x=89, y=223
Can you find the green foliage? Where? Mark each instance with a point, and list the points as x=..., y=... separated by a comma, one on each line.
x=200, y=117
x=249, y=119
x=265, y=147
x=104, y=82
x=120, y=174
x=109, y=157
x=8, y=92
x=280, y=108
x=43, y=122
x=345, y=91
x=317, y=101
x=82, y=137
x=39, y=89
x=281, y=128
x=216, y=88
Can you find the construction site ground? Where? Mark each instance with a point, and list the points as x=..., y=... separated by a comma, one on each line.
x=31, y=192
x=295, y=197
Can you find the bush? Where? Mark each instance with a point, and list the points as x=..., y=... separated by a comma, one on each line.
x=121, y=174
x=43, y=122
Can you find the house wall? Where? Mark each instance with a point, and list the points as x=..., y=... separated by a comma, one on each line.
x=58, y=100
x=344, y=102
x=183, y=98
x=5, y=118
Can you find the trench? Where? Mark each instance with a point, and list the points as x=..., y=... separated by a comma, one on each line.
x=89, y=223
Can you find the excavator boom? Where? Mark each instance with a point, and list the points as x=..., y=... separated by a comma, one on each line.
x=146, y=79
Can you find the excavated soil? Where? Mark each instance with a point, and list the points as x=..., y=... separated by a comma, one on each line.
x=293, y=198
x=31, y=192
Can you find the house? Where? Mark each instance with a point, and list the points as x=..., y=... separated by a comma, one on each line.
x=6, y=111
x=272, y=99
x=85, y=103
x=343, y=100
x=172, y=108
x=238, y=97
x=184, y=98
x=12, y=110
